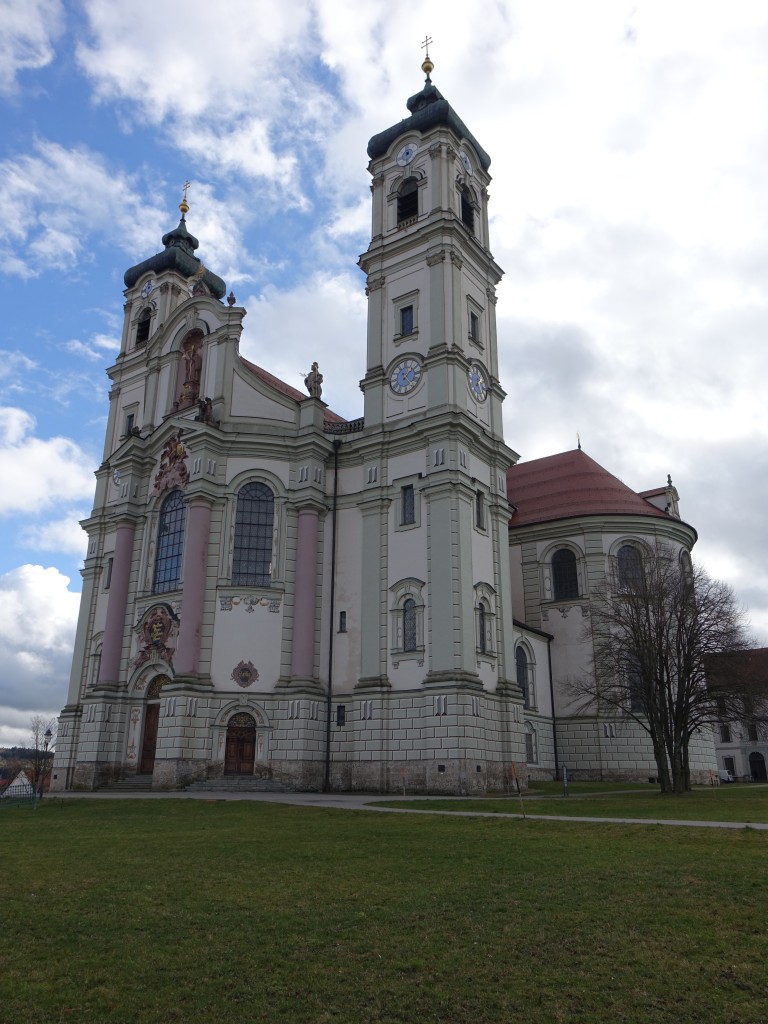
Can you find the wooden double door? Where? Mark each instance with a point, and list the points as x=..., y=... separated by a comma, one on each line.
x=241, y=746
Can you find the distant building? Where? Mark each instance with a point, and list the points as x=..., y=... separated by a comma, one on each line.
x=391, y=602
x=742, y=747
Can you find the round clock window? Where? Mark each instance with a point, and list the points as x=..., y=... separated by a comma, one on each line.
x=405, y=376
x=407, y=153
x=477, y=382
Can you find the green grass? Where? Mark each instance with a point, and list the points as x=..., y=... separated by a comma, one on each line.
x=708, y=803
x=186, y=911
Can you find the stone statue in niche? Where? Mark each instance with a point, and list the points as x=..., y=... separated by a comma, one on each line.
x=173, y=471
x=205, y=413
x=313, y=382
x=193, y=364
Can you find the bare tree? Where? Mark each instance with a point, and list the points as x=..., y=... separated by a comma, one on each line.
x=40, y=761
x=656, y=623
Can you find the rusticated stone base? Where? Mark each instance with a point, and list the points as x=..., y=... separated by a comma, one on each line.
x=178, y=773
x=90, y=775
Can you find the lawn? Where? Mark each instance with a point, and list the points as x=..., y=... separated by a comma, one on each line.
x=709, y=803
x=184, y=912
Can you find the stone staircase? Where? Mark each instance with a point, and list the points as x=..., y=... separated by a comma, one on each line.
x=132, y=784
x=239, y=784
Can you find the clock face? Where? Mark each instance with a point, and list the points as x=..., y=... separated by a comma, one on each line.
x=146, y=290
x=405, y=376
x=465, y=161
x=478, y=385
x=407, y=153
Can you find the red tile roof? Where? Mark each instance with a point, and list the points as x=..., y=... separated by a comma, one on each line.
x=567, y=485
x=286, y=389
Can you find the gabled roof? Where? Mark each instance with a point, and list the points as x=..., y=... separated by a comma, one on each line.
x=567, y=485
x=285, y=389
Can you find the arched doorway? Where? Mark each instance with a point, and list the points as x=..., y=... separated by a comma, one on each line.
x=151, y=721
x=757, y=767
x=241, y=744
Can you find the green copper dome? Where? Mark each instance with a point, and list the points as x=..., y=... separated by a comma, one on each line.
x=428, y=109
x=178, y=255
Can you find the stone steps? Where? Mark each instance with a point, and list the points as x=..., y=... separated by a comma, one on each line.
x=132, y=784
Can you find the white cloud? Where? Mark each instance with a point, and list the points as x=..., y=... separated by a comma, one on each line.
x=62, y=535
x=38, y=615
x=37, y=473
x=95, y=349
x=30, y=29
x=321, y=320
x=56, y=198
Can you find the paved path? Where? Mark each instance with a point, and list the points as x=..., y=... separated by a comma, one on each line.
x=370, y=802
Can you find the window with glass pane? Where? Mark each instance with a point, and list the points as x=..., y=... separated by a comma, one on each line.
x=254, y=524
x=409, y=625
x=521, y=668
x=170, y=544
x=408, y=506
x=406, y=320
x=564, y=576
x=630, y=566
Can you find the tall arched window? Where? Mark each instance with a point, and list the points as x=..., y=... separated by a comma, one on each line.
x=565, y=579
x=482, y=623
x=408, y=200
x=410, y=637
x=170, y=544
x=142, y=327
x=467, y=209
x=254, y=524
x=630, y=566
x=523, y=679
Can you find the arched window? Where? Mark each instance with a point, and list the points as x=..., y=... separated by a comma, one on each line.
x=408, y=200
x=142, y=327
x=523, y=676
x=170, y=544
x=467, y=209
x=482, y=622
x=565, y=579
x=630, y=565
x=254, y=524
x=410, y=637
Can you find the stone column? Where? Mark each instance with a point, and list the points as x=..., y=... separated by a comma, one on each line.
x=305, y=595
x=187, y=659
x=114, y=628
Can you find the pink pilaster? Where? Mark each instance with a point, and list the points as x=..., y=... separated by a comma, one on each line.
x=114, y=627
x=304, y=604
x=187, y=659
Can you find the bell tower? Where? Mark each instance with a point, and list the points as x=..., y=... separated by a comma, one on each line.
x=435, y=516
x=431, y=278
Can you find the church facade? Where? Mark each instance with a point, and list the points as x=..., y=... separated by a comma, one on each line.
x=387, y=604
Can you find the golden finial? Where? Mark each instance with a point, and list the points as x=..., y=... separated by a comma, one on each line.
x=427, y=67
x=184, y=205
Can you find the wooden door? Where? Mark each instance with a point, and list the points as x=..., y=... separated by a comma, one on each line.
x=241, y=750
x=149, y=742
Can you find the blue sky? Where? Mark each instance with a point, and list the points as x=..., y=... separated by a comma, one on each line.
x=628, y=145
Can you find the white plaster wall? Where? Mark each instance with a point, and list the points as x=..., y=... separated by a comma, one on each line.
x=248, y=401
x=240, y=635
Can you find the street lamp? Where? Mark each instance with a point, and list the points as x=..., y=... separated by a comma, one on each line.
x=48, y=736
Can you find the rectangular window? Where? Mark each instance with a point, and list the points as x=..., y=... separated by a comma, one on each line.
x=474, y=327
x=130, y=422
x=730, y=765
x=407, y=505
x=342, y=622
x=406, y=320
x=480, y=510
x=108, y=574
x=752, y=733
x=725, y=734
x=341, y=714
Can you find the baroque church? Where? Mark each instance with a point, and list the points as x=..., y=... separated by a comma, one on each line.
x=385, y=604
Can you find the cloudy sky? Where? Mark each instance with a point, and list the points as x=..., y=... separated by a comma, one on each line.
x=629, y=143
